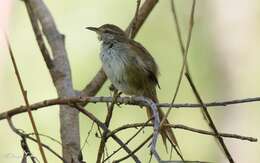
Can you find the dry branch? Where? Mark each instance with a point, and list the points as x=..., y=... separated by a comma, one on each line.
x=25, y=136
x=120, y=100
x=105, y=129
x=59, y=69
x=191, y=83
x=180, y=126
x=102, y=144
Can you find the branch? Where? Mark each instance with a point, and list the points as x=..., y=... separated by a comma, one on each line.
x=135, y=150
x=104, y=128
x=25, y=136
x=211, y=123
x=180, y=126
x=128, y=141
x=120, y=100
x=60, y=72
x=38, y=34
x=107, y=122
x=188, y=76
x=24, y=93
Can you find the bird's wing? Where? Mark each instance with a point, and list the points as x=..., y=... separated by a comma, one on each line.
x=149, y=63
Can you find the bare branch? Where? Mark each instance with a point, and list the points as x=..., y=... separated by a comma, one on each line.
x=134, y=151
x=107, y=122
x=133, y=26
x=120, y=100
x=143, y=13
x=38, y=35
x=188, y=76
x=27, y=136
x=105, y=129
x=128, y=141
x=180, y=126
x=211, y=123
x=60, y=73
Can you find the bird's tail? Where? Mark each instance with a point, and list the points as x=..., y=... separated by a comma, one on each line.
x=165, y=131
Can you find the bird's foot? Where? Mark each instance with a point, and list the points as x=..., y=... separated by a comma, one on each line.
x=116, y=95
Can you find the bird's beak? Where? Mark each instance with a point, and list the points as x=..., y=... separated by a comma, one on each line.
x=93, y=29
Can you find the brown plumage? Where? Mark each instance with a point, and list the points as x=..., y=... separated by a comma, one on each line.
x=131, y=69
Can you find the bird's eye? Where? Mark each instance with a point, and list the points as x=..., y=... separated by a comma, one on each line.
x=107, y=31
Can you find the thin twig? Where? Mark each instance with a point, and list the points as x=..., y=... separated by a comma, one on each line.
x=107, y=122
x=121, y=100
x=188, y=76
x=24, y=144
x=24, y=93
x=211, y=123
x=185, y=53
x=180, y=126
x=135, y=150
x=46, y=136
x=104, y=128
x=128, y=141
x=86, y=140
x=138, y=2
x=27, y=136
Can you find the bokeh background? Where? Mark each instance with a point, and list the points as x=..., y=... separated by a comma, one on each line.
x=224, y=61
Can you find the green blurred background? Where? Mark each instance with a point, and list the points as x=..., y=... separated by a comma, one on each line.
x=224, y=62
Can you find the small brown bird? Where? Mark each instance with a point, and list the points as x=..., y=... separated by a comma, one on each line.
x=131, y=69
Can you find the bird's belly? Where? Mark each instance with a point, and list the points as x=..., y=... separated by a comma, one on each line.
x=114, y=66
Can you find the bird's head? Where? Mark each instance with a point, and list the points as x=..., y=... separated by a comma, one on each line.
x=108, y=32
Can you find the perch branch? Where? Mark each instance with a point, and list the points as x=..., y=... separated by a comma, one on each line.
x=120, y=100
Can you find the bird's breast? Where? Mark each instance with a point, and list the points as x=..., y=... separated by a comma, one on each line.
x=114, y=65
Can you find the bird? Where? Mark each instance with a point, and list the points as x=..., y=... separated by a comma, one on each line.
x=131, y=69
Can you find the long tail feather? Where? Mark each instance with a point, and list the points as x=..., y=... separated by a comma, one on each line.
x=166, y=132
